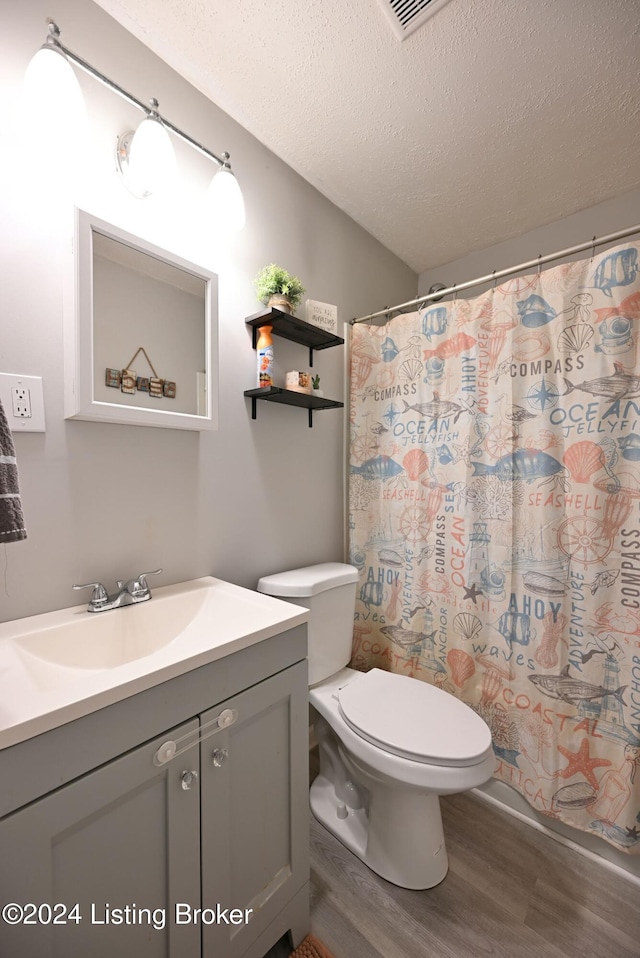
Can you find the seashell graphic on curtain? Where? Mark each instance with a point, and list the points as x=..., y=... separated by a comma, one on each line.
x=467, y=625
x=411, y=370
x=415, y=463
x=496, y=526
x=574, y=339
x=583, y=459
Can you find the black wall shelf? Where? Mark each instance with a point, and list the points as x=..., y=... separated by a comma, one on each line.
x=290, y=398
x=296, y=330
x=290, y=327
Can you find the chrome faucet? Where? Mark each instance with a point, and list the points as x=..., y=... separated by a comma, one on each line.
x=129, y=593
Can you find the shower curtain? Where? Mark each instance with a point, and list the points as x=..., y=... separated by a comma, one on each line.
x=494, y=505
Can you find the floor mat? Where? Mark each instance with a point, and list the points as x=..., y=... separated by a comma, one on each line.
x=311, y=948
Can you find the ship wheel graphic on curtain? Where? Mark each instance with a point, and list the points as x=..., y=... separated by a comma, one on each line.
x=590, y=540
x=414, y=524
x=584, y=539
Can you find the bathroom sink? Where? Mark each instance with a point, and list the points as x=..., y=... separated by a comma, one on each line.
x=58, y=666
x=106, y=640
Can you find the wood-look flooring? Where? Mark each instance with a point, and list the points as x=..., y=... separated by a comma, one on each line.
x=511, y=892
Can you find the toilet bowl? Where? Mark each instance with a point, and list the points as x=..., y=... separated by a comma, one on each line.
x=389, y=745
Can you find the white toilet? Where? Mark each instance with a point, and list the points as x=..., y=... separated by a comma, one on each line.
x=389, y=744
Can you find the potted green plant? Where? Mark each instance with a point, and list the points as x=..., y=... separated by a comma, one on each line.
x=315, y=387
x=276, y=287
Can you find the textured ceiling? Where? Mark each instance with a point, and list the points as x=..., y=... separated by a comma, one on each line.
x=492, y=119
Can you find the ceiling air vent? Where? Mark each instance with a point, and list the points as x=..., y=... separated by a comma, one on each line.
x=405, y=16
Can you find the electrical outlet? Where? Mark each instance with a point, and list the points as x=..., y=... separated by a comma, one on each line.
x=23, y=402
x=21, y=399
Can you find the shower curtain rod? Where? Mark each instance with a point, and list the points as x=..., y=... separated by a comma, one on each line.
x=498, y=274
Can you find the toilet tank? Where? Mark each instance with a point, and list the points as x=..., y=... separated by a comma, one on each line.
x=328, y=590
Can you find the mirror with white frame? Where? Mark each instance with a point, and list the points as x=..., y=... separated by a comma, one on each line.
x=141, y=338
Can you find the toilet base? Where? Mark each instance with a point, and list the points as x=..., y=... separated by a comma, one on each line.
x=399, y=837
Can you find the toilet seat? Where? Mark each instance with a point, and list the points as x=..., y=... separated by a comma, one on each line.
x=414, y=720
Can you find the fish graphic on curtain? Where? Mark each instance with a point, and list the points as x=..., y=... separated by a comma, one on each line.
x=495, y=521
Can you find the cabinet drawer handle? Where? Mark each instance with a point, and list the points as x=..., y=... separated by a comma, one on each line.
x=187, y=779
x=219, y=756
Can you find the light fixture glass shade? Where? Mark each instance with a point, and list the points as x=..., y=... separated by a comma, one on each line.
x=52, y=102
x=225, y=201
x=152, y=160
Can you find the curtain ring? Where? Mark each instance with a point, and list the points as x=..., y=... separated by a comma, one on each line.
x=455, y=293
x=539, y=263
x=435, y=288
x=593, y=248
x=493, y=276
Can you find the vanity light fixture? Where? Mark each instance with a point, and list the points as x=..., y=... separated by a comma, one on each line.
x=52, y=111
x=145, y=158
x=50, y=72
x=224, y=198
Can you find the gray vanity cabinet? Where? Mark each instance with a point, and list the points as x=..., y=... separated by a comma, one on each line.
x=251, y=815
x=88, y=817
x=138, y=828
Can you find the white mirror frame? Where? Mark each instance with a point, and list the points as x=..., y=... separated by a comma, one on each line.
x=79, y=401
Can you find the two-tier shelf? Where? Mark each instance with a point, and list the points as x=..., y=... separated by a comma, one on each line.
x=296, y=330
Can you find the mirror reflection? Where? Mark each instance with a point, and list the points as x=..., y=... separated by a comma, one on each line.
x=148, y=330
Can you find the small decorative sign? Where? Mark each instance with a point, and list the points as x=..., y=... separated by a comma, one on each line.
x=156, y=386
x=113, y=378
x=127, y=380
x=298, y=382
x=323, y=315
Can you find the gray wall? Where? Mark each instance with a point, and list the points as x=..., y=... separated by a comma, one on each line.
x=600, y=220
x=105, y=501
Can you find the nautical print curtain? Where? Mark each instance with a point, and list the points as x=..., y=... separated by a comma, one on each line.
x=494, y=517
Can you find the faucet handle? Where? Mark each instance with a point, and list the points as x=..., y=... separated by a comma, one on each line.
x=140, y=582
x=99, y=595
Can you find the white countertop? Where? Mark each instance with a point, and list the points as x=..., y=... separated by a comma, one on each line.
x=214, y=619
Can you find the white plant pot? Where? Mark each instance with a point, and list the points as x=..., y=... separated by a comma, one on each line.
x=280, y=302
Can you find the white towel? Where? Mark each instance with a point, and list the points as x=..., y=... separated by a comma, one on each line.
x=11, y=520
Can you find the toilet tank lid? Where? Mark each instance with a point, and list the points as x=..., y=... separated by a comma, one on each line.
x=308, y=581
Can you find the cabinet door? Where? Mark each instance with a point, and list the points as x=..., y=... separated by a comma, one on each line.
x=255, y=824
x=125, y=836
